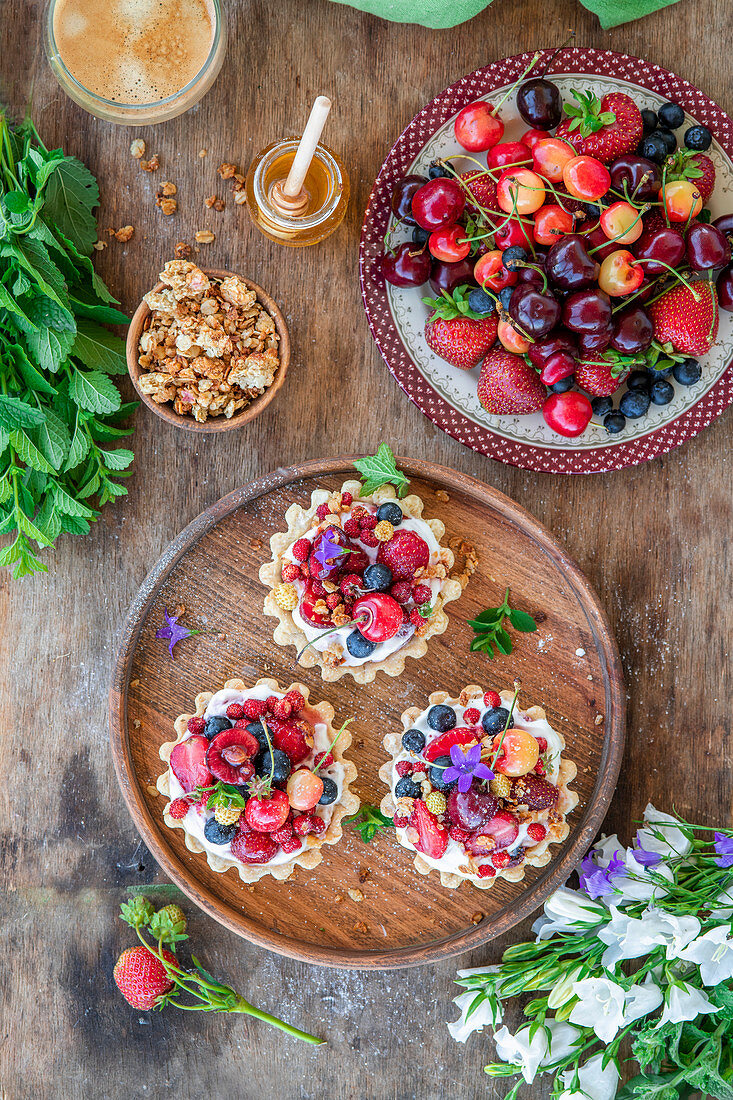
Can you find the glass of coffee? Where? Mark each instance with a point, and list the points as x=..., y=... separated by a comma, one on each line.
x=135, y=61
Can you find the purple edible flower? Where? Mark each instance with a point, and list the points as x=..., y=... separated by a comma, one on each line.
x=594, y=879
x=724, y=848
x=466, y=766
x=174, y=631
x=645, y=858
x=616, y=866
x=328, y=552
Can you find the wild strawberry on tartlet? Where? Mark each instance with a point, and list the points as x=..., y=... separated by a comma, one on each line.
x=257, y=779
x=360, y=583
x=447, y=809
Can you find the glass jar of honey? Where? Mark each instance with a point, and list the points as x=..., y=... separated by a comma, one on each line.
x=326, y=185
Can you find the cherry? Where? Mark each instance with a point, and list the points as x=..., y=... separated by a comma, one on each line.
x=520, y=191
x=533, y=274
x=450, y=244
x=449, y=276
x=552, y=222
x=632, y=330
x=267, y=815
x=536, y=314
x=550, y=157
x=587, y=311
x=379, y=616
x=542, y=350
x=707, y=248
x=597, y=242
x=477, y=128
x=568, y=414
x=568, y=264
x=725, y=288
x=539, y=103
x=520, y=751
x=642, y=177
x=531, y=137
x=590, y=343
x=491, y=272
x=229, y=755
x=509, y=153
x=621, y=222
x=681, y=200
x=471, y=809
x=558, y=366
x=406, y=267
x=586, y=178
x=619, y=274
x=666, y=245
x=511, y=339
x=402, y=197
x=513, y=232
x=437, y=203
x=304, y=789
x=725, y=224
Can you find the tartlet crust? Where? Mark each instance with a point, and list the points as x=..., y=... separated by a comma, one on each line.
x=311, y=855
x=538, y=855
x=287, y=633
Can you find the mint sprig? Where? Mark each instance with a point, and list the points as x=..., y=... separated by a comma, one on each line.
x=490, y=632
x=369, y=821
x=381, y=469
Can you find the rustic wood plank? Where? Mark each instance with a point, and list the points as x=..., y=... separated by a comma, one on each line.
x=655, y=542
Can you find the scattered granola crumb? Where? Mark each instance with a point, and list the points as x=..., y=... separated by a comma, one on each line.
x=123, y=235
x=167, y=189
x=134, y=683
x=182, y=251
x=354, y=894
x=136, y=723
x=167, y=206
x=137, y=148
x=338, y=899
x=256, y=544
x=540, y=617
x=203, y=152
x=360, y=926
x=227, y=171
x=442, y=495
x=215, y=202
x=151, y=165
x=598, y=720
x=477, y=917
x=363, y=874
x=152, y=790
x=205, y=236
x=240, y=197
x=99, y=245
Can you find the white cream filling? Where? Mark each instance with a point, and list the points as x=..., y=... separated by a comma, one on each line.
x=194, y=823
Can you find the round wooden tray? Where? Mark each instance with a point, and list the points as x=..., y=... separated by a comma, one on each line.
x=571, y=667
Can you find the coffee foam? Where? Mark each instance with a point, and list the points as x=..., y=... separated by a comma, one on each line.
x=134, y=51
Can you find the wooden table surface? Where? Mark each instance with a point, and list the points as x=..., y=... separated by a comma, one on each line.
x=654, y=540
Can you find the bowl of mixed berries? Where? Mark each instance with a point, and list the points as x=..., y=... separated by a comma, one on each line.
x=564, y=247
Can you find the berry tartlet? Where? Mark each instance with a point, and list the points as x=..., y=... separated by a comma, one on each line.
x=263, y=812
x=447, y=809
x=359, y=584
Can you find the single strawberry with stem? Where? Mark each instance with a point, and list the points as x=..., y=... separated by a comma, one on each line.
x=457, y=334
x=600, y=377
x=695, y=168
x=509, y=385
x=602, y=128
x=687, y=317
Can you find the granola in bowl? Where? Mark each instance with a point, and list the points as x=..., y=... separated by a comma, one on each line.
x=208, y=346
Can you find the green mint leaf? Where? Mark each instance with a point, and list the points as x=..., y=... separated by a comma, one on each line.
x=94, y=391
x=52, y=439
x=10, y=303
x=29, y=453
x=70, y=195
x=68, y=505
x=79, y=447
x=15, y=413
x=33, y=256
x=28, y=528
x=33, y=378
x=104, y=313
x=369, y=821
x=503, y=642
x=381, y=469
x=99, y=349
x=117, y=460
x=48, y=348
x=522, y=621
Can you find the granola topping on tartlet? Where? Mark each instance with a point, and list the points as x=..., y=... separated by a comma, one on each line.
x=478, y=788
x=359, y=583
x=257, y=779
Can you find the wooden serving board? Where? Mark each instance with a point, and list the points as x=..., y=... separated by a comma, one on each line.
x=571, y=667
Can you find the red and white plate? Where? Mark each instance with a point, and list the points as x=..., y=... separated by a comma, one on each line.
x=397, y=316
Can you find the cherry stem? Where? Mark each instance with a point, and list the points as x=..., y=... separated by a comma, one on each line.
x=517, y=82
x=611, y=240
x=320, y=765
x=497, y=750
x=559, y=49
x=533, y=267
x=362, y=619
x=672, y=270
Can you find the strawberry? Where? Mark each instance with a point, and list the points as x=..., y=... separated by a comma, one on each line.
x=536, y=832
x=602, y=128
x=254, y=708
x=687, y=319
x=503, y=827
x=196, y=724
x=456, y=333
x=178, y=808
x=534, y=791
x=486, y=871
x=507, y=385
x=301, y=549
x=141, y=978
x=695, y=167
x=254, y=847
x=482, y=188
x=404, y=553
x=442, y=745
x=432, y=838
x=597, y=378
x=500, y=859
x=188, y=763
x=292, y=738
x=492, y=699
x=472, y=716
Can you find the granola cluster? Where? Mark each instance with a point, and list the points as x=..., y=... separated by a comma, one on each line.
x=207, y=346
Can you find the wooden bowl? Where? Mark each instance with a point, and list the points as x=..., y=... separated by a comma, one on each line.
x=214, y=423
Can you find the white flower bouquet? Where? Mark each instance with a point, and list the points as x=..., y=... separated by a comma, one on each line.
x=642, y=954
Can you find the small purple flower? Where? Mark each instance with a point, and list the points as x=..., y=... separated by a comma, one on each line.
x=328, y=552
x=174, y=631
x=466, y=766
x=645, y=858
x=724, y=848
x=594, y=879
x=616, y=866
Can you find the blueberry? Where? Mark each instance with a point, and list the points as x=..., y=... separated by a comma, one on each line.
x=563, y=385
x=505, y=296
x=377, y=577
x=670, y=141
x=219, y=834
x=635, y=403
x=698, y=137
x=638, y=380
x=601, y=405
x=495, y=720
x=688, y=372
x=481, y=302
x=420, y=236
x=407, y=788
x=649, y=118
x=516, y=252
x=282, y=765
x=391, y=512
x=330, y=792
x=614, y=423
x=592, y=209
x=654, y=148
x=671, y=115
x=358, y=645
x=413, y=741
x=216, y=725
x=440, y=168
x=662, y=392
x=655, y=374
x=437, y=774
x=442, y=718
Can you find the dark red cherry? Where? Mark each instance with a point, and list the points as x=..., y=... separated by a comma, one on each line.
x=587, y=311
x=642, y=177
x=725, y=224
x=590, y=342
x=707, y=248
x=402, y=197
x=558, y=366
x=437, y=203
x=407, y=267
x=542, y=350
x=539, y=103
x=632, y=330
x=568, y=264
x=666, y=245
x=598, y=244
x=471, y=809
x=449, y=276
x=725, y=288
x=536, y=314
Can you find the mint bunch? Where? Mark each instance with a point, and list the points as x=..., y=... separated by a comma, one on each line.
x=59, y=407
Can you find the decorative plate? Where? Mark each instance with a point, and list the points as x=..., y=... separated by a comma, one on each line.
x=447, y=396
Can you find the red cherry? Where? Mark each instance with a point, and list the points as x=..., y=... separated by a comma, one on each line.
x=544, y=349
x=666, y=245
x=510, y=338
x=725, y=289
x=586, y=178
x=619, y=274
x=707, y=248
x=477, y=128
x=402, y=197
x=382, y=616
x=229, y=755
x=558, y=366
x=490, y=271
x=531, y=137
x=551, y=223
x=407, y=267
x=437, y=203
x=450, y=244
x=448, y=276
x=587, y=311
x=550, y=155
x=510, y=154
x=568, y=413
x=514, y=232
x=267, y=815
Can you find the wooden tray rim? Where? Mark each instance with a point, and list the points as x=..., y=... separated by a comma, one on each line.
x=558, y=870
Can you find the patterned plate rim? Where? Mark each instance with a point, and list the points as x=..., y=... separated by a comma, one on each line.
x=420, y=391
